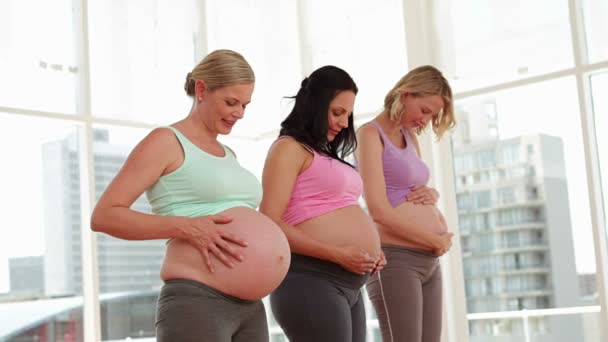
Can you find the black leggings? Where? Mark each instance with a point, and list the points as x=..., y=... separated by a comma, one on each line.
x=320, y=301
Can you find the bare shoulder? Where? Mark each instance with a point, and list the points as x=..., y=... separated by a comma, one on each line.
x=160, y=142
x=368, y=133
x=289, y=147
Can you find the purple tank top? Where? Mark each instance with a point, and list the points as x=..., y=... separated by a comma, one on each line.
x=403, y=168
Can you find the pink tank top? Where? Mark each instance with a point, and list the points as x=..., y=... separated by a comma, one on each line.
x=326, y=185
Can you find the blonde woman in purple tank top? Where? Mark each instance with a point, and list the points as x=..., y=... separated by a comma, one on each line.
x=406, y=294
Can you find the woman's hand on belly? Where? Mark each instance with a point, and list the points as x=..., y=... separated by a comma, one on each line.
x=356, y=260
x=206, y=234
x=423, y=195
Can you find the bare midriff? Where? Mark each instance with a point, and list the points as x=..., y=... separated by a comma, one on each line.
x=265, y=260
x=348, y=226
x=420, y=216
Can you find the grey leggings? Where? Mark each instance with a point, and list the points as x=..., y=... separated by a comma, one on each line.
x=407, y=295
x=189, y=311
x=319, y=301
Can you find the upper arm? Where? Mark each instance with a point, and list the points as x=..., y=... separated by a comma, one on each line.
x=283, y=164
x=144, y=166
x=369, y=159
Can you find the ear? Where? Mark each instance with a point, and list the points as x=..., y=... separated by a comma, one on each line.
x=200, y=89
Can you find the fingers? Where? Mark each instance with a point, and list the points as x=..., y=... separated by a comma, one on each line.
x=229, y=250
x=219, y=219
x=232, y=238
x=207, y=259
x=220, y=255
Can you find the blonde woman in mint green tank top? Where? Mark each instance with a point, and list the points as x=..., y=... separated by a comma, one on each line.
x=204, y=203
x=407, y=293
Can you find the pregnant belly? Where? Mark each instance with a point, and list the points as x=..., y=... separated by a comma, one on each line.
x=348, y=226
x=417, y=215
x=265, y=259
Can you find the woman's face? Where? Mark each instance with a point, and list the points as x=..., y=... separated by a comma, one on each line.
x=340, y=109
x=419, y=110
x=223, y=107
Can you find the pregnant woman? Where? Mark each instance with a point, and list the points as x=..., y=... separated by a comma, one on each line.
x=407, y=292
x=203, y=202
x=312, y=193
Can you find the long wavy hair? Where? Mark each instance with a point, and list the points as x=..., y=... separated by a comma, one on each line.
x=308, y=122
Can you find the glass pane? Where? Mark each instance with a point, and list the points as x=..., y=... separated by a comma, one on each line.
x=140, y=54
x=40, y=264
x=488, y=42
x=37, y=55
x=599, y=89
x=267, y=36
x=129, y=271
x=523, y=210
x=365, y=38
x=595, y=13
x=534, y=328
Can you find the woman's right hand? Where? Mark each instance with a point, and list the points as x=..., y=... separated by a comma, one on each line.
x=206, y=234
x=355, y=260
x=443, y=244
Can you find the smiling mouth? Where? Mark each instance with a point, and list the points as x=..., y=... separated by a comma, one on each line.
x=229, y=123
x=334, y=132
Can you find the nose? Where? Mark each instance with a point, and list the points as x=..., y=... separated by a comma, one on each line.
x=343, y=123
x=239, y=113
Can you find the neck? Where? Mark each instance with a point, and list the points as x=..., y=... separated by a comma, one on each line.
x=200, y=129
x=390, y=127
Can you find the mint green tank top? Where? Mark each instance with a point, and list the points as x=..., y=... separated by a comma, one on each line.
x=204, y=184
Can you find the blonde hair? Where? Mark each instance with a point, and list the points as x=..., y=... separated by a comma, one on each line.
x=218, y=69
x=423, y=81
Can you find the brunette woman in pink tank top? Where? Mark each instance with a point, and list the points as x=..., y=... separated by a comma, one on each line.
x=407, y=293
x=312, y=194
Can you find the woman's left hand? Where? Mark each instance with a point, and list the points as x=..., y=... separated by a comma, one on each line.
x=422, y=194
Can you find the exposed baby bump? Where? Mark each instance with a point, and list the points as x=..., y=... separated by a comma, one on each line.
x=423, y=216
x=265, y=260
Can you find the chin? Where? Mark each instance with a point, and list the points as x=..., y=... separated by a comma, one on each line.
x=224, y=130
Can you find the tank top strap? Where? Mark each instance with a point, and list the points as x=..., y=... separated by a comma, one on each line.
x=189, y=147
x=380, y=130
x=183, y=141
x=306, y=147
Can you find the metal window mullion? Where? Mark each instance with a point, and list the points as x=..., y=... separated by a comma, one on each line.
x=90, y=277
x=420, y=33
x=304, y=43
x=201, y=41
x=598, y=224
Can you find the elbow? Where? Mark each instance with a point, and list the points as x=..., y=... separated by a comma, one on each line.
x=96, y=221
x=378, y=214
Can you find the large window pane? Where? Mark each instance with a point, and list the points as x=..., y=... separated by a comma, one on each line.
x=37, y=56
x=523, y=212
x=266, y=34
x=140, y=54
x=365, y=38
x=129, y=271
x=40, y=258
x=485, y=42
x=599, y=88
x=595, y=14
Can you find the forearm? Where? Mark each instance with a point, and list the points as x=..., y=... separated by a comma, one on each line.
x=301, y=243
x=127, y=224
x=407, y=227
